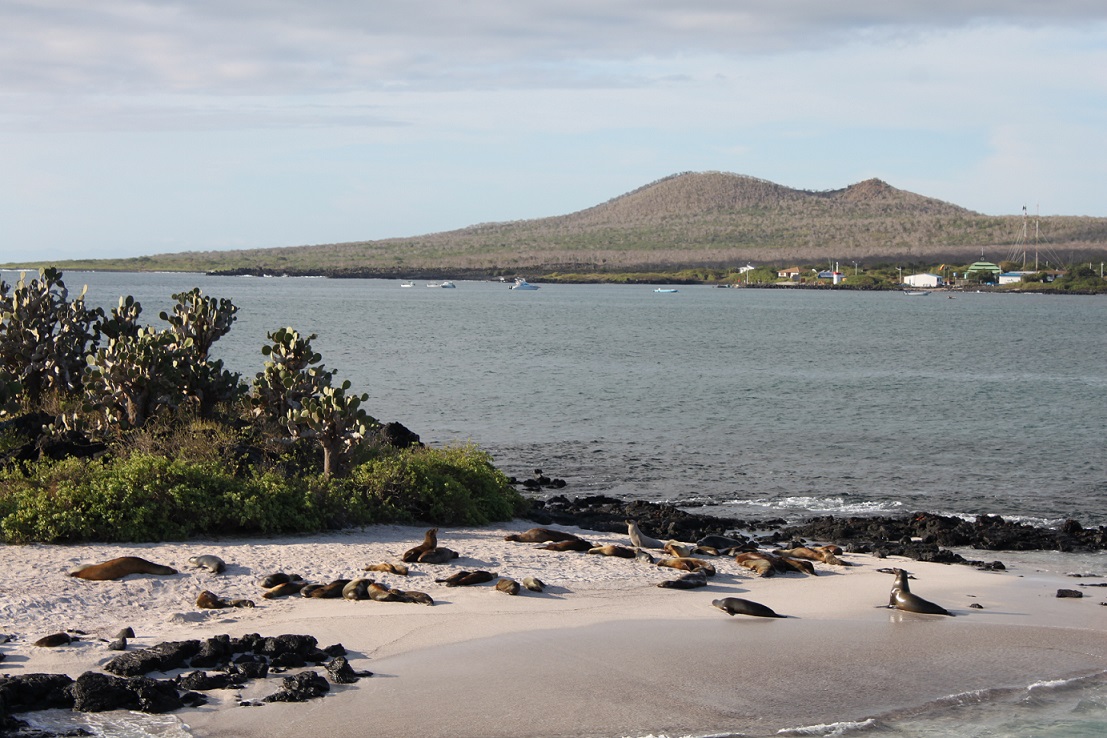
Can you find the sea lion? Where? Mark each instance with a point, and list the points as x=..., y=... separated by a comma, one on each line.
x=686, y=563
x=54, y=640
x=691, y=580
x=438, y=555
x=417, y=598
x=644, y=556
x=534, y=584
x=212, y=563
x=276, y=578
x=430, y=541
x=284, y=589
x=679, y=550
x=127, y=632
x=541, y=535
x=356, y=589
x=119, y=568
x=211, y=601
x=639, y=539
x=119, y=644
x=787, y=563
x=508, y=586
x=380, y=593
x=467, y=578
x=389, y=567
x=722, y=543
x=756, y=562
x=611, y=549
x=328, y=591
x=822, y=554
x=578, y=544
x=738, y=606
x=901, y=598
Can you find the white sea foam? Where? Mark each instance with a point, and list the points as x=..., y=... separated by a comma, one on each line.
x=833, y=729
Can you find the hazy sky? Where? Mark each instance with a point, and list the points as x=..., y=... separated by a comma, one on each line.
x=132, y=127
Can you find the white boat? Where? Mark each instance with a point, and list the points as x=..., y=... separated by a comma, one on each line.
x=445, y=285
x=916, y=293
x=667, y=290
x=407, y=284
x=522, y=284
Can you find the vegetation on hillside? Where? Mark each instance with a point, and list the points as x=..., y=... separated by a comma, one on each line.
x=710, y=220
x=116, y=431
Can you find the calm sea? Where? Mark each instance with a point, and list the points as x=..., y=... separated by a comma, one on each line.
x=750, y=403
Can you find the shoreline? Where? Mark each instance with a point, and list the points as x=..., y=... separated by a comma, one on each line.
x=603, y=651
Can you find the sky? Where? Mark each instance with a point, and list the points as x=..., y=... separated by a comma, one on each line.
x=136, y=127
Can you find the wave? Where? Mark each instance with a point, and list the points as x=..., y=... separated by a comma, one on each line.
x=822, y=504
x=833, y=729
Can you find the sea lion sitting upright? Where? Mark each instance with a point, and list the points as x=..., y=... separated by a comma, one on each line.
x=738, y=606
x=901, y=598
x=541, y=535
x=430, y=542
x=212, y=563
x=119, y=568
x=639, y=539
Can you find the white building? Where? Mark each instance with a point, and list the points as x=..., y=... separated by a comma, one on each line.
x=923, y=280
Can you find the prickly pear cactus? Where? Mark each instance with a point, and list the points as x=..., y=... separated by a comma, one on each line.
x=289, y=376
x=44, y=335
x=203, y=320
x=335, y=420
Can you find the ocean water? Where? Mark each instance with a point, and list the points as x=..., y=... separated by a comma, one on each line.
x=748, y=403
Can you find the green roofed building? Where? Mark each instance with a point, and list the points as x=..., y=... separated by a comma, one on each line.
x=983, y=266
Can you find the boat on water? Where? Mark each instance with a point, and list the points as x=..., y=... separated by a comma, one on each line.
x=444, y=285
x=668, y=290
x=522, y=284
x=407, y=284
x=916, y=293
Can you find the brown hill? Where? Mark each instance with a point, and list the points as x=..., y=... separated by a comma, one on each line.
x=685, y=220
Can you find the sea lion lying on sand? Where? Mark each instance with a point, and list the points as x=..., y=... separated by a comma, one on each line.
x=212, y=563
x=210, y=601
x=611, y=549
x=691, y=580
x=686, y=563
x=541, y=535
x=579, y=544
x=119, y=568
x=824, y=554
x=467, y=578
x=389, y=568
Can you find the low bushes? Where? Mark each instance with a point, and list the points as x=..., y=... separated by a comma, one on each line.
x=145, y=497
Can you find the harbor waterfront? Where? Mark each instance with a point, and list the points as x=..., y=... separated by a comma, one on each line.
x=756, y=404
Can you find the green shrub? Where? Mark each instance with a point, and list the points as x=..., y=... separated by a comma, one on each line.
x=148, y=498
x=457, y=485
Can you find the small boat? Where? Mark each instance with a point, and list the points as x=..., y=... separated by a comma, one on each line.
x=522, y=284
x=445, y=285
x=667, y=290
x=407, y=284
x=916, y=293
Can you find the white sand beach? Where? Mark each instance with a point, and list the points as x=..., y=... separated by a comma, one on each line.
x=601, y=652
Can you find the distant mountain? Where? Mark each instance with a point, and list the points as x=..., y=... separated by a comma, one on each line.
x=693, y=219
